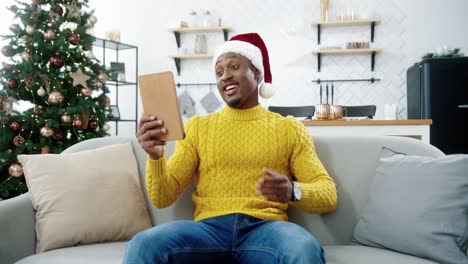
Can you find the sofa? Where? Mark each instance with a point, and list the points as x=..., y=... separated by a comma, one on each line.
x=351, y=162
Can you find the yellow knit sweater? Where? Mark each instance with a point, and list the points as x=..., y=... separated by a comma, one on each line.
x=225, y=152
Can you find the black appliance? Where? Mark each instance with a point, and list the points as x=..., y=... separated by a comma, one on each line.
x=437, y=89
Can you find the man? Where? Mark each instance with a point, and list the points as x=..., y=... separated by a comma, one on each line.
x=248, y=165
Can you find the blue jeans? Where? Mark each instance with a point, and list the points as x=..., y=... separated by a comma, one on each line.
x=234, y=238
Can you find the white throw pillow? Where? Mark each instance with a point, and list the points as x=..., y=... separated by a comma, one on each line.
x=85, y=197
x=418, y=206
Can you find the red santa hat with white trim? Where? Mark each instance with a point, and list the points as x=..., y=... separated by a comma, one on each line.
x=251, y=46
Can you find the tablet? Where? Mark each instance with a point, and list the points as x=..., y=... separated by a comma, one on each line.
x=159, y=98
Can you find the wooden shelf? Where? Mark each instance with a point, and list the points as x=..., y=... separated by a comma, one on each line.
x=178, y=31
x=372, y=51
x=178, y=57
x=199, y=29
x=356, y=22
x=343, y=23
x=191, y=56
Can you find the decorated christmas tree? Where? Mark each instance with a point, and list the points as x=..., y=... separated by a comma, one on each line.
x=51, y=65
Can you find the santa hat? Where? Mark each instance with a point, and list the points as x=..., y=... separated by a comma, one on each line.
x=251, y=46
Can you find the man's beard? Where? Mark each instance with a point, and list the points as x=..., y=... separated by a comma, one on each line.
x=235, y=103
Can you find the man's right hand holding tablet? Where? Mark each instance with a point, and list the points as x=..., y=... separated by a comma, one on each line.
x=150, y=129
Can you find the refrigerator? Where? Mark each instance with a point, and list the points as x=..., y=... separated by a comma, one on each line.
x=437, y=89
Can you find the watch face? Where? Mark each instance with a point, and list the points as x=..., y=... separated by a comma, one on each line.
x=297, y=192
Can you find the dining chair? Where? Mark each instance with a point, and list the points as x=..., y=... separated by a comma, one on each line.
x=359, y=111
x=306, y=111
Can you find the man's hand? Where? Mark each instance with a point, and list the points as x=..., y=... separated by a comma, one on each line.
x=274, y=187
x=149, y=132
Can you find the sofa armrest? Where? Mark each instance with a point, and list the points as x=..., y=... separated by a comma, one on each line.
x=17, y=224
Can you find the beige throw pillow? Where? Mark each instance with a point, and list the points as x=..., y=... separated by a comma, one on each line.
x=85, y=197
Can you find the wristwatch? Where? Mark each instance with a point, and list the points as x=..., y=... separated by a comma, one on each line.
x=296, y=192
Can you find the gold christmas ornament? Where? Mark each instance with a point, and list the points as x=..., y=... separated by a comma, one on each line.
x=106, y=127
x=15, y=169
x=45, y=149
x=46, y=132
x=55, y=98
x=86, y=91
x=18, y=141
x=90, y=55
x=73, y=11
x=92, y=20
x=49, y=34
x=25, y=55
x=65, y=118
x=30, y=29
x=37, y=109
x=14, y=27
x=28, y=80
x=79, y=78
x=41, y=91
x=102, y=76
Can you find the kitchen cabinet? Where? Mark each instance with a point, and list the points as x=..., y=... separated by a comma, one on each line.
x=178, y=31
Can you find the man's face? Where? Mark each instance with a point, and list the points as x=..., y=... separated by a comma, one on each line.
x=236, y=79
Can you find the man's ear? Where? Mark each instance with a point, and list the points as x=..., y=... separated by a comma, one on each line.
x=256, y=74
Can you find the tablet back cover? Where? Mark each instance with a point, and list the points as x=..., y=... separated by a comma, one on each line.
x=159, y=98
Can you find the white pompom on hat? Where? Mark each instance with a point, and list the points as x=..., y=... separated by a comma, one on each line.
x=251, y=46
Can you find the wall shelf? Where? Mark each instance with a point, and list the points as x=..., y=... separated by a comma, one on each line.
x=107, y=46
x=372, y=51
x=178, y=57
x=178, y=31
x=343, y=23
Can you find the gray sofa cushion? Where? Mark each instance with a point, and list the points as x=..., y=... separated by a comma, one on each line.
x=368, y=255
x=418, y=206
x=105, y=253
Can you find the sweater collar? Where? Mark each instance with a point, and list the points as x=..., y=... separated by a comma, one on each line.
x=253, y=113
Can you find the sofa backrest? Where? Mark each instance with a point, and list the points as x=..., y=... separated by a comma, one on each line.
x=350, y=161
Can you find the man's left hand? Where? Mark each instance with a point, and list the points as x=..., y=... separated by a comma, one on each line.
x=274, y=187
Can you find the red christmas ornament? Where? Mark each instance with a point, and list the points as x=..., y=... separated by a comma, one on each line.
x=58, y=10
x=74, y=39
x=12, y=84
x=56, y=61
x=57, y=135
x=6, y=51
x=15, y=126
x=77, y=122
x=93, y=124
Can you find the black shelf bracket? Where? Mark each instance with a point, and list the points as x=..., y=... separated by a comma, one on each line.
x=372, y=31
x=372, y=80
x=319, y=61
x=319, y=31
x=177, y=64
x=372, y=61
x=177, y=38
x=225, y=31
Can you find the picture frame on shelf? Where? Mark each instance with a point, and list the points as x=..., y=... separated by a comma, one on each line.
x=114, y=113
x=117, y=71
